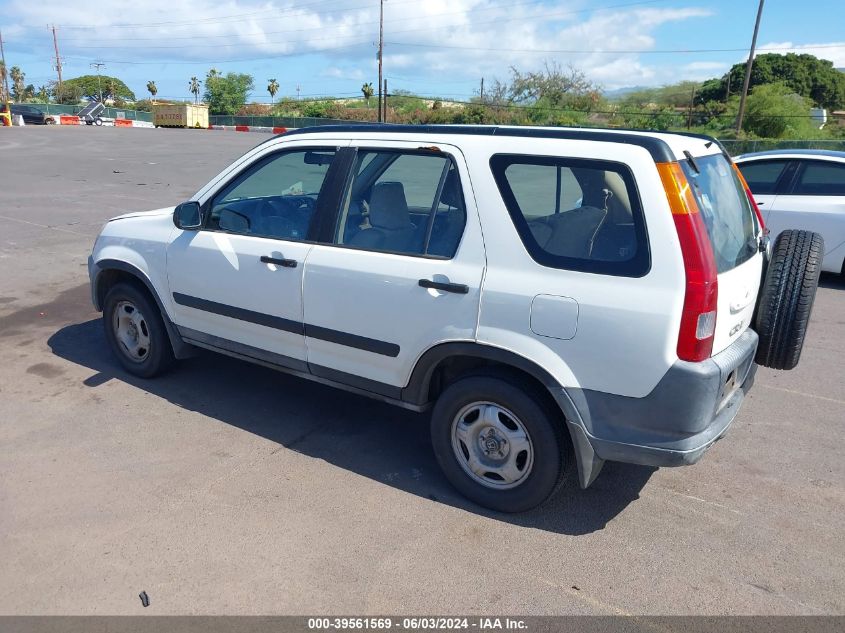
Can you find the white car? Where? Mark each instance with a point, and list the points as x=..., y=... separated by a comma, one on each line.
x=557, y=297
x=801, y=189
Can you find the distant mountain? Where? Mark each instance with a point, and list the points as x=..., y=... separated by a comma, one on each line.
x=621, y=92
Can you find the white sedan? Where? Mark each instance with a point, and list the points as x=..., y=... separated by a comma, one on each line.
x=801, y=189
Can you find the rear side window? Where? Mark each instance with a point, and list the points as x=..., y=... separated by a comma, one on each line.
x=575, y=214
x=725, y=209
x=409, y=203
x=762, y=176
x=821, y=179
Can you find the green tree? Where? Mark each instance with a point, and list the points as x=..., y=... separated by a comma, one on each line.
x=226, y=94
x=803, y=74
x=194, y=87
x=17, y=76
x=86, y=86
x=367, y=91
x=775, y=111
x=152, y=89
x=272, y=88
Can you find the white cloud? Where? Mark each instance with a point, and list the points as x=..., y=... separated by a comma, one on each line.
x=436, y=40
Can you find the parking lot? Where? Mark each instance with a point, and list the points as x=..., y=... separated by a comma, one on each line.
x=224, y=487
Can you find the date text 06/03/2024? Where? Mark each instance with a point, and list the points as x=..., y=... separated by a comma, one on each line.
x=416, y=623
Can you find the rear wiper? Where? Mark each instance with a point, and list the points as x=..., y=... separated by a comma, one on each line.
x=691, y=161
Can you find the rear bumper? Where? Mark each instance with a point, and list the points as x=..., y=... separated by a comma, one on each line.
x=690, y=408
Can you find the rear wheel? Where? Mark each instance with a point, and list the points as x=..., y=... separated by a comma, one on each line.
x=498, y=443
x=136, y=332
x=787, y=298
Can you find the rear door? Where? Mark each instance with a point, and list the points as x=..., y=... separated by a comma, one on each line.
x=403, y=270
x=734, y=234
x=815, y=202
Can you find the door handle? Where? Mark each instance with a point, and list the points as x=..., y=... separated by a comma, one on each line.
x=460, y=289
x=286, y=263
x=760, y=204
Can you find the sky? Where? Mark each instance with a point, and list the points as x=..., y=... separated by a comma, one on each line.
x=439, y=48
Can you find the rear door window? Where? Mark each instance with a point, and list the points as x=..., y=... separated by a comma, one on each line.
x=409, y=203
x=818, y=178
x=575, y=214
x=725, y=209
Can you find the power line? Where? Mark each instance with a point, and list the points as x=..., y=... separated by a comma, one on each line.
x=609, y=52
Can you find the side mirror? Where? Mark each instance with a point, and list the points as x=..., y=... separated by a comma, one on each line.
x=188, y=216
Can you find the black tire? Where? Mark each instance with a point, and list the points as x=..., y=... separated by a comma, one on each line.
x=552, y=456
x=786, y=300
x=158, y=354
x=98, y=121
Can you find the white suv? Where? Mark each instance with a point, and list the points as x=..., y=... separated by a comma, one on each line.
x=561, y=297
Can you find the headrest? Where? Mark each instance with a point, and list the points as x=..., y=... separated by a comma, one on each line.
x=388, y=206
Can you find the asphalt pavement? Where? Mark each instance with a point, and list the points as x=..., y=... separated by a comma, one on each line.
x=223, y=487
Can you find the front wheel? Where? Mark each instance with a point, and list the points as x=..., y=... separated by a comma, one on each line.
x=499, y=444
x=135, y=330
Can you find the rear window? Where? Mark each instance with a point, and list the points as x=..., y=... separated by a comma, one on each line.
x=575, y=214
x=727, y=214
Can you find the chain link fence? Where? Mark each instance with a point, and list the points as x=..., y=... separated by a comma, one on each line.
x=274, y=121
x=735, y=148
x=110, y=112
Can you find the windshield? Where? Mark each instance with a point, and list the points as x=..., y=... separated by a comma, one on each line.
x=725, y=210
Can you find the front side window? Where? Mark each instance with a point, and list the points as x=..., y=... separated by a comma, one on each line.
x=401, y=202
x=819, y=178
x=762, y=176
x=275, y=198
x=575, y=214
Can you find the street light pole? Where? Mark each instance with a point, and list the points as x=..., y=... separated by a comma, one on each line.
x=98, y=65
x=745, y=83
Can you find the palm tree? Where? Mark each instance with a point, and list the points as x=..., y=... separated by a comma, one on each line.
x=195, y=87
x=272, y=88
x=17, y=77
x=152, y=89
x=368, y=91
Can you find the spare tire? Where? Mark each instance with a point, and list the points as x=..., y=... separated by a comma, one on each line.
x=786, y=299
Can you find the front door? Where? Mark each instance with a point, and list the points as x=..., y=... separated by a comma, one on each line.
x=237, y=282
x=402, y=272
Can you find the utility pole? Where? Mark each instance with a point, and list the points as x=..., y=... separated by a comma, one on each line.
x=380, y=53
x=298, y=88
x=691, y=103
x=745, y=83
x=384, y=102
x=728, y=88
x=6, y=94
x=58, y=62
x=481, y=94
x=98, y=65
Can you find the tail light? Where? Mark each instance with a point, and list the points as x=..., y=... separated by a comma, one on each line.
x=698, y=320
x=751, y=199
